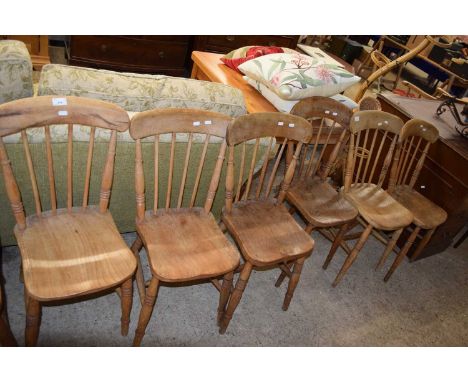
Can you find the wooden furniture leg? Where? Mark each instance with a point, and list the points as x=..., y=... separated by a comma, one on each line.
x=236, y=296
x=422, y=244
x=146, y=310
x=336, y=243
x=6, y=336
x=293, y=281
x=402, y=253
x=352, y=256
x=126, y=300
x=389, y=248
x=224, y=294
x=283, y=274
x=33, y=321
x=140, y=280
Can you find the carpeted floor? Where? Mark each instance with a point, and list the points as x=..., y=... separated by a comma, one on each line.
x=424, y=304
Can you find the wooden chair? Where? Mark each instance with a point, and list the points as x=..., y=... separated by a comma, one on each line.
x=259, y=222
x=72, y=251
x=317, y=201
x=182, y=243
x=374, y=135
x=413, y=145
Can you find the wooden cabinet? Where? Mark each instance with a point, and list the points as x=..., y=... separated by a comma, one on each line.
x=168, y=55
x=140, y=54
x=224, y=44
x=38, y=47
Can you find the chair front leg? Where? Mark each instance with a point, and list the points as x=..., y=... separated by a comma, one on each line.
x=336, y=243
x=236, y=296
x=6, y=336
x=422, y=244
x=224, y=294
x=402, y=253
x=140, y=280
x=389, y=248
x=33, y=321
x=126, y=301
x=352, y=256
x=146, y=310
x=293, y=281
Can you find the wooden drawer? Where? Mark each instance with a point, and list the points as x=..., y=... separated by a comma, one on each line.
x=144, y=54
x=224, y=44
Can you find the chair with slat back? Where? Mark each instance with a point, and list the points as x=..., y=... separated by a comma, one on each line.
x=75, y=250
x=183, y=241
x=413, y=145
x=374, y=135
x=317, y=201
x=256, y=217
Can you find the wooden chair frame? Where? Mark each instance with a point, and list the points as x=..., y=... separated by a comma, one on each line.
x=41, y=112
x=413, y=145
x=285, y=129
x=172, y=121
x=362, y=173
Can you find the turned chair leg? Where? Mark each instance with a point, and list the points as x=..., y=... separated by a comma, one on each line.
x=422, y=244
x=140, y=280
x=224, y=294
x=336, y=243
x=33, y=321
x=126, y=300
x=283, y=274
x=352, y=256
x=235, y=297
x=6, y=336
x=389, y=248
x=402, y=253
x=293, y=281
x=146, y=310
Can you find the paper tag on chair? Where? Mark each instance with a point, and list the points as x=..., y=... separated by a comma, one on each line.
x=59, y=101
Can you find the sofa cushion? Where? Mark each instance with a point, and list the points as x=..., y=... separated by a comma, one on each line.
x=15, y=71
x=140, y=92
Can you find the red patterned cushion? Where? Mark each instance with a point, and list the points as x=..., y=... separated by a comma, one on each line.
x=253, y=52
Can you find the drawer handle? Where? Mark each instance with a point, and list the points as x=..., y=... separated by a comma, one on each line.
x=230, y=38
x=161, y=54
x=103, y=48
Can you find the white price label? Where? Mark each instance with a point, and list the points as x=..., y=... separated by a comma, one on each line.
x=59, y=102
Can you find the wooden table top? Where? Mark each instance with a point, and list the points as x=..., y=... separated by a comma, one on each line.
x=426, y=109
x=216, y=71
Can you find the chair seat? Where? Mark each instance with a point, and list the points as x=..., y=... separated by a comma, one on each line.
x=267, y=233
x=186, y=244
x=378, y=208
x=320, y=204
x=427, y=215
x=72, y=253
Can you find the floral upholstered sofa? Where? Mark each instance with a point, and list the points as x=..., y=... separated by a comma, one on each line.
x=134, y=93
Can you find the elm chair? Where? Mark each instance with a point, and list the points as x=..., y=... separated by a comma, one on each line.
x=318, y=201
x=256, y=217
x=69, y=251
x=183, y=241
x=374, y=135
x=415, y=140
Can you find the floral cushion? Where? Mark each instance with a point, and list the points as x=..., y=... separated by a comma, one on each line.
x=285, y=105
x=243, y=55
x=296, y=76
x=15, y=71
x=140, y=92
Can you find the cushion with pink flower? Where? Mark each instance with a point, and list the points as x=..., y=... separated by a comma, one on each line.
x=238, y=56
x=296, y=76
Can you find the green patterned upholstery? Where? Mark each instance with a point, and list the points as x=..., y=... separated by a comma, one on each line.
x=15, y=71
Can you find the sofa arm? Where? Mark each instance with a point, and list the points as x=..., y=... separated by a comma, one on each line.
x=15, y=71
x=140, y=92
